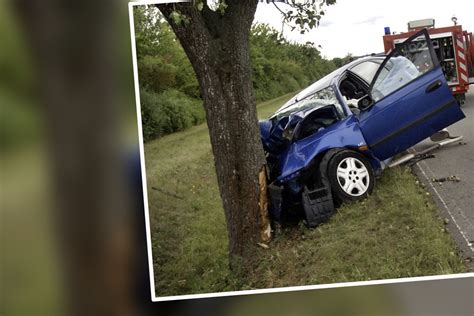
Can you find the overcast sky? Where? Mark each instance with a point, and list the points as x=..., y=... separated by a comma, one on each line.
x=357, y=26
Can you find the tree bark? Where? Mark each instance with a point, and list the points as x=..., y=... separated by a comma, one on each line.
x=73, y=48
x=218, y=48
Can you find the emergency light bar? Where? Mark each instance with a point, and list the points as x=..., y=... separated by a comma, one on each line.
x=417, y=24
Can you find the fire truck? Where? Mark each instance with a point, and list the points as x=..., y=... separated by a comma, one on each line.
x=453, y=46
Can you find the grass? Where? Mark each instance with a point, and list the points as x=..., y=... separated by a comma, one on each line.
x=394, y=233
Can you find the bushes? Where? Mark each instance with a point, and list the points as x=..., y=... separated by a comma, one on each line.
x=170, y=95
x=169, y=91
x=280, y=66
x=168, y=112
x=155, y=74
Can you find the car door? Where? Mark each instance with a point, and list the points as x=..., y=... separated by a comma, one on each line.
x=410, y=99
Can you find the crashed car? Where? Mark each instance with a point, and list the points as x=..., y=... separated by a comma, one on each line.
x=327, y=144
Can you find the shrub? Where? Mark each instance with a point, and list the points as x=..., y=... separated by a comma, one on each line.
x=168, y=112
x=156, y=74
x=171, y=99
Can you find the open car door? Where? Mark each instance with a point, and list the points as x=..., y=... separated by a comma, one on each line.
x=410, y=99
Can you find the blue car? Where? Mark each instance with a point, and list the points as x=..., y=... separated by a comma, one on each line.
x=326, y=145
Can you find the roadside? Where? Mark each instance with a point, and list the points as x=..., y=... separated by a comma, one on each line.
x=455, y=199
x=395, y=233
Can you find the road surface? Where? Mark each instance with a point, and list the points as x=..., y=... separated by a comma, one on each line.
x=454, y=199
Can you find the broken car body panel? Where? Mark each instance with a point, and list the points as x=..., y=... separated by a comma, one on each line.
x=403, y=98
x=343, y=134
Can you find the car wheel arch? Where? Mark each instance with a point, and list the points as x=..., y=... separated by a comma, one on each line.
x=314, y=165
x=327, y=155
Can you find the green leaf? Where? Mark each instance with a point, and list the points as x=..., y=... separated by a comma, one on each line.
x=175, y=17
x=200, y=6
x=222, y=6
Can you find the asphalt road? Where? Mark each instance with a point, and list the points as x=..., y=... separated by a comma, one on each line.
x=454, y=199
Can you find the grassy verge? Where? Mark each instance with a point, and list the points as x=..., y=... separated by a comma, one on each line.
x=395, y=233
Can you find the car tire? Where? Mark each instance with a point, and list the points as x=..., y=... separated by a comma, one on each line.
x=351, y=176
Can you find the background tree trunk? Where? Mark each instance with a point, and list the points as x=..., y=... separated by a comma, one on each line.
x=218, y=48
x=73, y=47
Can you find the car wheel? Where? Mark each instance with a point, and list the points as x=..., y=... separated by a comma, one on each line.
x=351, y=176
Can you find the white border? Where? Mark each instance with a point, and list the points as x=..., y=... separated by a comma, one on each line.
x=140, y=136
x=154, y=298
x=142, y=152
x=315, y=287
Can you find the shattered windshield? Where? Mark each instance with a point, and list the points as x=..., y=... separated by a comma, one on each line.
x=319, y=99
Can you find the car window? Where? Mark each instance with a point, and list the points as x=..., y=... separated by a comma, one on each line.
x=408, y=62
x=367, y=70
x=319, y=99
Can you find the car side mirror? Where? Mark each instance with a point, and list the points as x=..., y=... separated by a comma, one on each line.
x=365, y=102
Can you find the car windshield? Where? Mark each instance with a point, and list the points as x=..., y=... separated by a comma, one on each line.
x=319, y=99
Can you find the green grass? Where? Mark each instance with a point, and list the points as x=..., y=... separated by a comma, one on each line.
x=394, y=233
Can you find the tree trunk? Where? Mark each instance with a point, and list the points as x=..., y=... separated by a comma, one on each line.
x=73, y=47
x=218, y=48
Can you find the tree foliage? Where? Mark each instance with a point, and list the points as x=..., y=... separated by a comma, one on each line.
x=339, y=62
x=168, y=112
x=168, y=87
x=167, y=78
x=303, y=14
x=280, y=66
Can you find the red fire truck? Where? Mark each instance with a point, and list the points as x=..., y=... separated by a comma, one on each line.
x=454, y=48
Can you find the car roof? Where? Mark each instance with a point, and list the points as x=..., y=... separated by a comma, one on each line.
x=326, y=81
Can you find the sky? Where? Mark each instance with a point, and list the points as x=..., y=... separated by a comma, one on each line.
x=357, y=26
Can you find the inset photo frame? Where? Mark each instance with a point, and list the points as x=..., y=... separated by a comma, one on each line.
x=272, y=164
